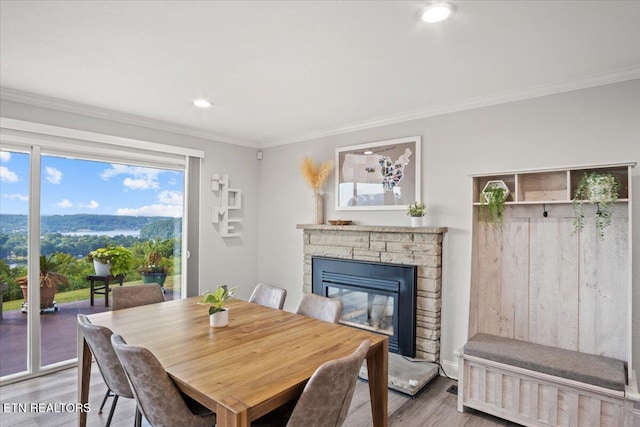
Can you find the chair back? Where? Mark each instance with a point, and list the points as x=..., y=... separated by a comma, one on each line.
x=133, y=296
x=268, y=296
x=99, y=340
x=157, y=396
x=325, y=399
x=321, y=308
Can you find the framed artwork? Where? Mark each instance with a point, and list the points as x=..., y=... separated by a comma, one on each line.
x=382, y=175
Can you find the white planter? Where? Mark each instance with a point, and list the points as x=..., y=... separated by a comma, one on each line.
x=101, y=268
x=493, y=184
x=416, y=221
x=219, y=319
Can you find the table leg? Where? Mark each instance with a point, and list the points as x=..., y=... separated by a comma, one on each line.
x=226, y=417
x=106, y=293
x=84, y=376
x=378, y=370
x=91, y=293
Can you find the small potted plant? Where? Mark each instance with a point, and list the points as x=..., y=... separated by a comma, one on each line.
x=155, y=267
x=218, y=314
x=49, y=281
x=493, y=197
x=417, y=211
x=600, y=189
x=111, y=260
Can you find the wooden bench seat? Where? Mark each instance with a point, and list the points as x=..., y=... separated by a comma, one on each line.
x=586, y=368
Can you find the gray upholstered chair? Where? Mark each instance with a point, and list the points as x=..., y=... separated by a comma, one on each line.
x=326, y=397
x=268, y=296
x=133, y=296
x=99, y=340
x=321, y=308
x=157, y=396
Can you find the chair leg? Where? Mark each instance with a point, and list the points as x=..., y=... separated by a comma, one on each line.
x=138, y=421
x=106, y=396
x=113, y=408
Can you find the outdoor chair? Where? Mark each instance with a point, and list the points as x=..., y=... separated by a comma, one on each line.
x=99, y=340
x=321, y=308
x=133, y=296
x=268, y=296
x=157, y=396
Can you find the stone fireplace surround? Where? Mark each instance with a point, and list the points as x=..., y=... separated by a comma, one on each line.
x=419, y=246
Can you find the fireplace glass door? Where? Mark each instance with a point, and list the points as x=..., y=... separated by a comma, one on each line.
x=367, y=309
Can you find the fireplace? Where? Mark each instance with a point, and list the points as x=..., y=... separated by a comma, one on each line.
x=378, y=297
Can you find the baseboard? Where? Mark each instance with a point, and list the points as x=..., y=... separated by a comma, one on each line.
x=451, y=369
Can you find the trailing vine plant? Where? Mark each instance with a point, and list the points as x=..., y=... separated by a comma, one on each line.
x=494, y=204
x=600, y=189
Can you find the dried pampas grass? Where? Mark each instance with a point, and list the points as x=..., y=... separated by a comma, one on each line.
x=315, y=176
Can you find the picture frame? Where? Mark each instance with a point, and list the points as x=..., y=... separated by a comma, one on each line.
x=383, y=175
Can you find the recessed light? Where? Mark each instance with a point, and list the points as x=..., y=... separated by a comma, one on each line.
x=437, y=12
x=368, y=152
x=202, y=103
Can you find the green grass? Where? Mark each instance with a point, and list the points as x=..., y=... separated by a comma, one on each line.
x=76, y=295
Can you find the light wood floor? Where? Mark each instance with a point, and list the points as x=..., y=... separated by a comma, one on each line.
x=433, y=407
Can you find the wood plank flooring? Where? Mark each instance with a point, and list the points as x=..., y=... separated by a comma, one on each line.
x=433, y=407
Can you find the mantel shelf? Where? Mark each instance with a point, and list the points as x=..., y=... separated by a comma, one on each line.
x=376, y=228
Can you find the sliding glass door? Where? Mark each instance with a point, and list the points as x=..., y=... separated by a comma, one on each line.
x=78, y=204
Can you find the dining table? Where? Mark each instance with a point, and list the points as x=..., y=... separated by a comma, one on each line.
x=260, y=361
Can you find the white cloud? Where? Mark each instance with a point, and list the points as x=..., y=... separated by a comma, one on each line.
x=16, y=196
x=64, y=204
x=53, y=175
x=152, y=210
x=5, y=156
x=144, y=183
x=91, y=205
x=140, y=178
x=7, y=175
x=169, y=197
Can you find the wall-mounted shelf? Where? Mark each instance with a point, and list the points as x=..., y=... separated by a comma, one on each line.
x=230, y=199
x=550, y=185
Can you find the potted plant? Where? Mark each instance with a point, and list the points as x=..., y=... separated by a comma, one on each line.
x=493, y=197
x=155, y=267
x=417, y=211
x=218, y=314
x=600, y=189
x=49, y=281
x=111, y=260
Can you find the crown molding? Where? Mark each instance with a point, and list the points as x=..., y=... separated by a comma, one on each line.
x=585, y=82
x=472, y=103
x=117, y=116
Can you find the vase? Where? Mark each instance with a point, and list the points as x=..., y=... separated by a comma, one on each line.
x=318, y=208
x=102, y=269
x=416, y=221
x=219, y=319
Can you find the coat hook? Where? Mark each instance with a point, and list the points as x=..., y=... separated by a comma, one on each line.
x=544, y=210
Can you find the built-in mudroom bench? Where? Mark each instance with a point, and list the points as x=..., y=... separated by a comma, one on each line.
x=549, y=340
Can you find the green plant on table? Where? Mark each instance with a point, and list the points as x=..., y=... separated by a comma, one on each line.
x=218, y=298
x=119, y=257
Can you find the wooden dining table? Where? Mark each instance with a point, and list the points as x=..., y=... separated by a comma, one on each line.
x=261, y=360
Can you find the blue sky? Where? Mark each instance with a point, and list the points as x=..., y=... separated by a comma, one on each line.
x=71, y=186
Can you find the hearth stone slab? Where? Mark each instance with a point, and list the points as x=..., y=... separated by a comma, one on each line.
x=406, y=376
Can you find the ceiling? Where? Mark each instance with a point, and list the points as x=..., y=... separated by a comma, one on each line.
x=285, y=71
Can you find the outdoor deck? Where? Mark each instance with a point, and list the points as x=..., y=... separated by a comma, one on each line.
x=58, y=334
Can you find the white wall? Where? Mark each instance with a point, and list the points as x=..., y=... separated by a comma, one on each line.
x=597, y=125
x=230, y=261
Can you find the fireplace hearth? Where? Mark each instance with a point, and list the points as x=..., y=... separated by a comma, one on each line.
x=377, y=297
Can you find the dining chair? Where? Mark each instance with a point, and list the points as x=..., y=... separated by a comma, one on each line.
x=98, y=339
x=321, y=308
x=158, y=398
x=326, y=397
x=133, y=296
x=268, y=296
